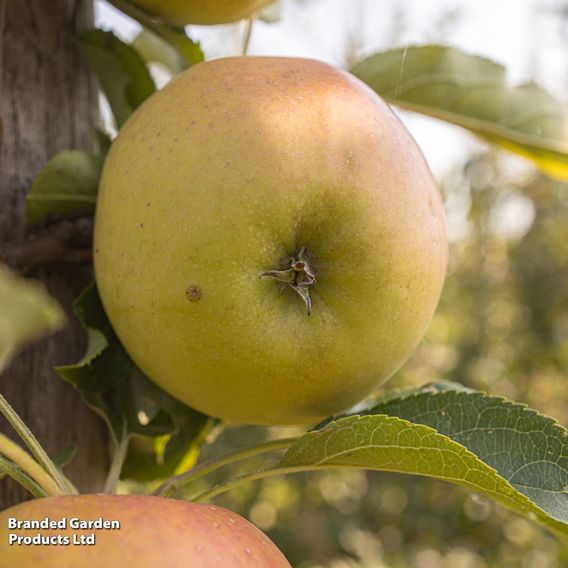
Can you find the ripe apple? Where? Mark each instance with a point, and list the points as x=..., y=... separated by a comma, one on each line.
x=270, y=245
x=209, y=12
x=153, y=532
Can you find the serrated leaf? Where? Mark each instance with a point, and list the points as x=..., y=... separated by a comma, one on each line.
x=130, y=403
x=68, y=182
x=121, y=72
x=472, y=92
x=27, y=312
x=388, y=443
x=527, y=449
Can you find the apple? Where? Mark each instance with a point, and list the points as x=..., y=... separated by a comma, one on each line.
x=270, y=244
x=209, y=12
x=152, y=532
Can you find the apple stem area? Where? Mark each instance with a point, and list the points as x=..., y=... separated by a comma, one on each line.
x=295, y=271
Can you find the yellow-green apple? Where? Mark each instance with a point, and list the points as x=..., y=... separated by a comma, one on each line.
x=114, y=531
x=209, y=12
x=270, y=244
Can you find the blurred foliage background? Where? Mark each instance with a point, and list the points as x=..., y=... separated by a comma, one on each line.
x=501, y=327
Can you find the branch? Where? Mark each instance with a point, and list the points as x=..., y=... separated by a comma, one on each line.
x=65, y=241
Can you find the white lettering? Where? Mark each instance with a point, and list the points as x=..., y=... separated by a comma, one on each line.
x=39, y=539
x=46, y=523
x=84, y=539
x=99, y=524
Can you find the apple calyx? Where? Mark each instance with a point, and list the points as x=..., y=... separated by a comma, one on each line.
x=296, y=272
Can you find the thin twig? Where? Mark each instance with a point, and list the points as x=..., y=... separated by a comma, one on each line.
x=174, y=484
x=35, y=447
x=237, y=481
x=117, y=462
x=248, y=34
x=18, y=456
x=12, y=470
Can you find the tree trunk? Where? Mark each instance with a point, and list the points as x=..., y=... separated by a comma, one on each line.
x=47, y=104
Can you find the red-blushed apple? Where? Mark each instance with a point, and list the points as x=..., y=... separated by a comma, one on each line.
x=270, y=244
x=152, y=532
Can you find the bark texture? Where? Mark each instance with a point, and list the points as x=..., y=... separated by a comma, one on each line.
x=47, y=99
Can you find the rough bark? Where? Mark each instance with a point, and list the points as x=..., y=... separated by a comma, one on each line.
x=47, y=99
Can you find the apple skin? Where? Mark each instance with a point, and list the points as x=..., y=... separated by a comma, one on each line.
x=233, y=166
x=204, y=12
x=153, y=532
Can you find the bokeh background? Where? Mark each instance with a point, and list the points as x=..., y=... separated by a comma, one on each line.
x=502, y=324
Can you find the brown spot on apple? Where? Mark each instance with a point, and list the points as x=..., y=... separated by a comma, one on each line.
x=193, y=293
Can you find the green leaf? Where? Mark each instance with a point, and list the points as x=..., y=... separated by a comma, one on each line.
x=527, y=449
x=154, y=49
x=189, y=51
x=27, y=312
x=163, y=456
x=389, y=443
x=472, y=92
x=130, y=403
x=68, y=182
x=121, y=72
x=65, y=457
